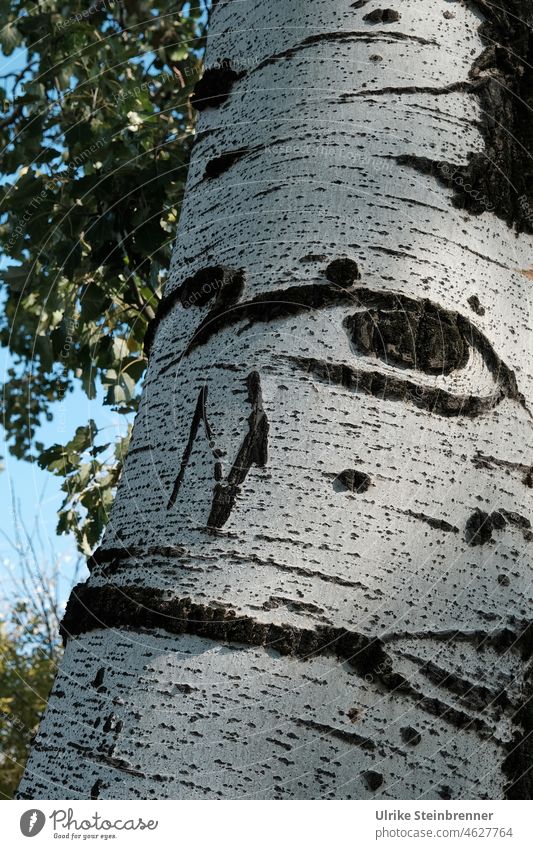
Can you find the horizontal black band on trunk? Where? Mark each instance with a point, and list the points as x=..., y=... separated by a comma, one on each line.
x=92, y=608
x=137, y=608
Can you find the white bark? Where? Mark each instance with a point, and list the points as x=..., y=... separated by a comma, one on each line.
x=409, y=705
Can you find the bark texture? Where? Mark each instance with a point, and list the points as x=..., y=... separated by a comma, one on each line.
x=315, y=582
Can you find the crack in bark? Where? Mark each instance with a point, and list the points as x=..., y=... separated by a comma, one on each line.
x=220, y=164
x=475, y=696
x=518, y=766
x=253, y=451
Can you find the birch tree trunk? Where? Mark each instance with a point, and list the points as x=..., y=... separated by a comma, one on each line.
x=315, y=580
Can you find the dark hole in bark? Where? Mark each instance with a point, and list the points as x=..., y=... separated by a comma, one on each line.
x=503, y=580
x=353, y=481
x=445, y=792
x=382, y=16
x=343, y=272
x=373, y=780
x=410, y=735
x=411, y=334
x=215, y=86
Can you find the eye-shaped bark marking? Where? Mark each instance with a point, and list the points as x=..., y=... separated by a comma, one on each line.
x=408, y=333
x=253, y=451
x=412, y=334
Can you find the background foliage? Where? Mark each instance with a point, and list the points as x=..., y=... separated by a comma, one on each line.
x=95, y=135
x=30, y=648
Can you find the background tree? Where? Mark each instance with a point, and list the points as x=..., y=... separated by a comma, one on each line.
x=30, y=646
x=315, y=581
x=95, y=137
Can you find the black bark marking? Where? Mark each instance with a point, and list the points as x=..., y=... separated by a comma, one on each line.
x=372, y=780
x=352, y=481
x=99, y=678
x=115, y=556
x=501, y=639
x=364, y=36
x=253, y=451
x=138, y=608
x=220, y=283
x=107, y=760
x=475, y=305
x=437, y=91
x=481, y=525
x=382, y=16
x=343, y=272
x=217, y=281
x=279, y=303
x=411, y=334
x=438, y=524
x=219, y=164
x=95, y=789
x=475, y=697
x=339, y=733
x=518, y=766
x=393, y=389
x=282, y=303
x=486, y=461
x=500, y=178
x=410, y=735
x=109, y=606
x=200, y=415
x=215, y=86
